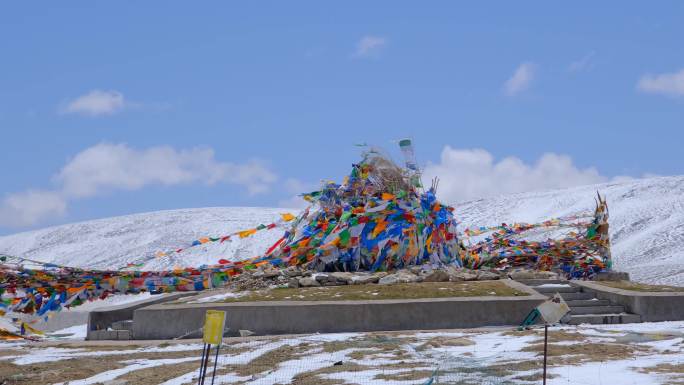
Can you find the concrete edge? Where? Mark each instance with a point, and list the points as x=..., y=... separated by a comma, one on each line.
x=604, y=288
x=532, y=295
x=522, y=287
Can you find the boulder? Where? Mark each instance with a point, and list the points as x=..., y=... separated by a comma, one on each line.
x=321, y=277
x=437, y=275
x=308, y=282
x=399, y=277
x=270, y=272
x=293, y=283
x=342, y=277
x=532, y=274
x=292, y=271
x=487, y=275
x=462, y=275
x=363, y=279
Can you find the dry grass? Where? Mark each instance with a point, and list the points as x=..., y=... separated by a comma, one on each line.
x=376, y=292
x=52, y=372
x=272, y=359
x=437, y=342
x=635, y=286
x=405, y=376
x=159, y=374
x=585, y=352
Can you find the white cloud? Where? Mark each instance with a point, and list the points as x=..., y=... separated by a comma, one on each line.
x=108, y=167
x=585, y=63
x=671, y=84
x=117, y=166
x=24, y=209
x=96, y=103
x=466, y=174
x=521, y=79
x=369, y=46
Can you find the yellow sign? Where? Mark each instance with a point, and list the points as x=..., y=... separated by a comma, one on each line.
x=214, y=323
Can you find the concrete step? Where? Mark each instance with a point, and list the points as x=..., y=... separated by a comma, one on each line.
x=587, y=302
x=577, y=296
x=537, y=282
x=597, y=310
x=123, y=325
x=556, y=289
x=100, y=335
x=599, y=319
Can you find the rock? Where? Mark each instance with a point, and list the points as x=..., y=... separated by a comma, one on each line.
x=293, y=283
x=416, y=270
x=399, y=277
x=545, y=275
x=270, y=272
x=342, y=277
x=521, y=274
x=308, y=282
x=246, y=333
x=532, y=274
x=438, y=275
x=292, y=271
x=257, y=274
x=462, y=275
x=364, y=279
x=321, y=277
x=487, y=276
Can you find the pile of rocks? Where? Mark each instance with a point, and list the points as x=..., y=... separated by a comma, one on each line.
x=294, y=276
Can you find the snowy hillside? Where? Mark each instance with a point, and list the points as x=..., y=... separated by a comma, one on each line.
x=113, y=242
x=646, y=221
x=647, y=229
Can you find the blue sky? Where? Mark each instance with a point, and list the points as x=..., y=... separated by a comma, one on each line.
x=110, y=108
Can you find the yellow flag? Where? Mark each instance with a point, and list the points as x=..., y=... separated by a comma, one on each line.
x=287, y=217
x=246, y=233
x=387, y=196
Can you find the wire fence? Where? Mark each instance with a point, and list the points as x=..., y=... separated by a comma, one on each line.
x=434, y=358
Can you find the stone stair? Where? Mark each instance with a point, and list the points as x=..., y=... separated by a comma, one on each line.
x=584, y=306
x=120, y=330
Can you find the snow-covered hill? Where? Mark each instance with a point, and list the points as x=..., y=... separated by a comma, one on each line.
x=646, y=224
x=111, y=243
x=646, y=221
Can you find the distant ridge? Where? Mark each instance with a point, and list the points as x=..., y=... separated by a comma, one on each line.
x=646, y=219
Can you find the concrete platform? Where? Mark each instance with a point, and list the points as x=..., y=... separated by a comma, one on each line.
x=166, y=321
x=651, y=306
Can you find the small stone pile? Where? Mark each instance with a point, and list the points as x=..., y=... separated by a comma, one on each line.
x=294, y=276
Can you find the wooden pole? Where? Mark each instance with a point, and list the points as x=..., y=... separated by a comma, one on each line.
x=546, y=340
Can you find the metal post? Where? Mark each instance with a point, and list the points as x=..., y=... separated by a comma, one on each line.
x=213, y=374
x=204, y=352
x=546, y=339
x=206, y=363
